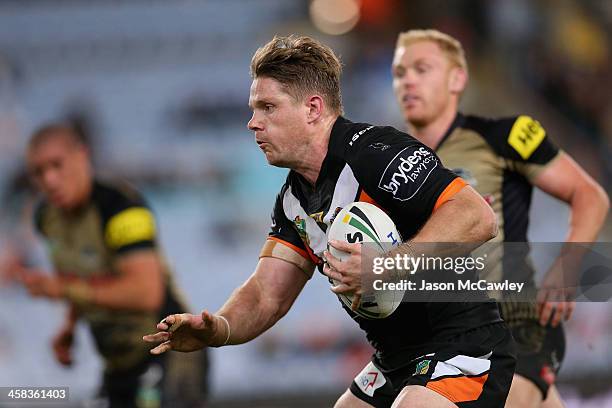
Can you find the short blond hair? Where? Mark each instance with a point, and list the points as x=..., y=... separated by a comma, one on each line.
x=302, y=65
x=450, y=46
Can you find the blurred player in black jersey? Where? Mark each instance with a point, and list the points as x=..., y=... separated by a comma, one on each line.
x=502, y=159
x=103, y=244
x=427, y=354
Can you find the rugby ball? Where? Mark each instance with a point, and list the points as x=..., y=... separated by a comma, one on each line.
x=361, y=222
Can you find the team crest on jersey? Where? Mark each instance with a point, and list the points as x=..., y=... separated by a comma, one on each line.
x=300, y=224
x=422, y=367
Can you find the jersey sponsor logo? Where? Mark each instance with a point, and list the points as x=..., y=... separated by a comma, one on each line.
x=358, y=134
x=370, y=379
x=407, y=172
x=526, y=135
x=130, y=226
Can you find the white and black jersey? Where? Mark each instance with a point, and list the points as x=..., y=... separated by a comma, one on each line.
x=396, y=172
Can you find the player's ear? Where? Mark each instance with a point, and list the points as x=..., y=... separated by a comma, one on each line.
x=84, y=151
x=315, y=107
x=457, y=80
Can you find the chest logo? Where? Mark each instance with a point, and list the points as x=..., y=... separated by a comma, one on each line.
x=407, y=172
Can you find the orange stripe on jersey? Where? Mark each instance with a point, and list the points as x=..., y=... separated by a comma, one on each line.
x=459, y=389
x=450, y=190
x=306, y=254
x=365, y=197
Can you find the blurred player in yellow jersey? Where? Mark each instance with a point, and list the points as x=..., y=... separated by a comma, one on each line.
x=502, y=159
x=102, y=240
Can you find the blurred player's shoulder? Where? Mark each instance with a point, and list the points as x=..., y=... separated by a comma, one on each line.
x=109, y=197
x=494, y=130
x=114, y=195
x=519, y=137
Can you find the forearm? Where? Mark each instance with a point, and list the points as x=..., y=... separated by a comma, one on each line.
x=116, y=293
x=249, y=313
x=457, y=226
x=588, y=211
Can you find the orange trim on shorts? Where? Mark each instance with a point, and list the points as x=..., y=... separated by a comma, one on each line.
x=450, y=190
x=304, y=253
x=459, y=389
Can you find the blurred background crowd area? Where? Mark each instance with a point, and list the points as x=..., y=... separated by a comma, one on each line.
x=160, y=87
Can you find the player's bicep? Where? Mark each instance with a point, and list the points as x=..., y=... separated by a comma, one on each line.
x=132, y=228
x=142, y=267
x=285, y=243
x=561, y=178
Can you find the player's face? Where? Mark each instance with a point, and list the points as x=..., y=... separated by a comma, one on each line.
x=60, y=169
x=422, y=82
x=278, y=122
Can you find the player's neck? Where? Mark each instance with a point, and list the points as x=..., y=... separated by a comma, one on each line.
x=311, y=161
x=84, y=197
x=431, y=134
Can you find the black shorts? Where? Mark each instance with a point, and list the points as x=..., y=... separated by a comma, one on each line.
x=539, y=360
x=474, y=370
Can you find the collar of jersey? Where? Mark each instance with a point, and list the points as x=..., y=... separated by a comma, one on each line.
x=457, y=122
x=336, y=149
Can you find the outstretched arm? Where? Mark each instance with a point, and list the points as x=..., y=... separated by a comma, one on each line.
x=138, y=285
x=589, y=204
x=252, y=309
